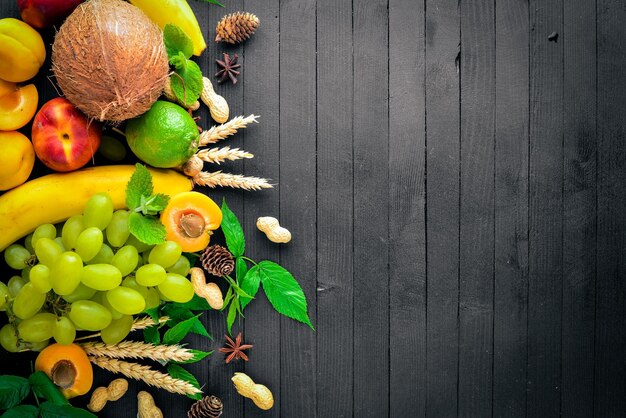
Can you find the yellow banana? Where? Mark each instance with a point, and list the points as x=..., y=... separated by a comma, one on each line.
x=56, y=197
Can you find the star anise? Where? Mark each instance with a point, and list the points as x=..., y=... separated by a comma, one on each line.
x=228, y=68
x=235, y=348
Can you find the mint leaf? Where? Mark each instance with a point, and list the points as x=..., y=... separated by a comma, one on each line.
x=233, y=233
x=284, y=292
x=152, y=335
x=13, y=390
x=212, y=2
x=250, y=283
x=140, y=184
x=50, y=410
x=179, y=331
x=188, y=85
x=179, y=61
x=146, y=229
x=22, y=411
x=176, y=40
x=154, y=204
x=197, y=356
x=177, y=372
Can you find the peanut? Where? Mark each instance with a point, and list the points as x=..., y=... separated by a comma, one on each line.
x=209, y=291
x=216, y=103
x=260, y=394
x=99, y=398
x=147, y=407
x=273, y=230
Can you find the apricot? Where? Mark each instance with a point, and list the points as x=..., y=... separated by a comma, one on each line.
x=189, y=219
x=18, y=105
x=17, y=158
x=22, y=51
x=68, y=367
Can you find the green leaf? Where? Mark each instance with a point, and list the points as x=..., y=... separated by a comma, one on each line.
x=176, y=40
x=13, y=390
x=195, y=304
x=232, y=314
x=229, y=295
x=175, y=334
x=44, y=388
x=176, y=313
x=233, y=233
x=199, y=329
x=284, y=292
x=236, y=288
x=50, y=410
x=153, y=313
x=22, y=411
x=178, y=372
x=140, y=184
x=197, y=356
x=146, y=229
x=152, y=335
x=250, y=284
x=193, y=259
x=212, y=2
x=188, y=85
x=241, y=268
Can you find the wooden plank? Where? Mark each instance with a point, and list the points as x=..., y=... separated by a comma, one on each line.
x=477, y=69
x=371, y=212
x=545, y=211
x=407, y=205
x=335, y=241
x=579, y=208
x=298, y=199
x=442, y=205
x=610, y=339
x=261, y=97
x=511, y=210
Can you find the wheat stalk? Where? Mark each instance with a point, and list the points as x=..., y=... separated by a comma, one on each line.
x=218, y=155
x=137, y=349
x=236, y=181
x=219, y=132
x=140, y=323
x=145, y=374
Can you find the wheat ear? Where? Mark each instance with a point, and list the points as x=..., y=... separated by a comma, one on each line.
x=137, y=349
x=140, y=323
x=236, y=181
x=218, y=155
x=145, y=374
x=219, y=132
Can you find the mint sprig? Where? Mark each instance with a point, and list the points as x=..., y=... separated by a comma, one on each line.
x=186, y=81
x=144, y=206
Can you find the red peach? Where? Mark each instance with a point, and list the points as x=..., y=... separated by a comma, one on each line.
x=42, y=14
x=63, y=137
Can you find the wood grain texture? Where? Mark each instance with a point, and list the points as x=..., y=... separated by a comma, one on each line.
x=511, y=210
x=442, y=206
x=407, y=209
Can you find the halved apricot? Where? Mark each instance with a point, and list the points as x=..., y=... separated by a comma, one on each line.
x=189, y=219
x=18, y=105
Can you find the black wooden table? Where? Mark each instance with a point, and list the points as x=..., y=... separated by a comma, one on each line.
x=453, y=173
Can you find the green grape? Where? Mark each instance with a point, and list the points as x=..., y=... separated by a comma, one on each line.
x=65, y=273
x=150, y=275
x=89, y=315
x=117, y=232
x=181, y=266
x=98, y=211
x=165, y=254
x=71, y=230
x=104, y=256
x=38, y=346
x=40, y=278
x=131, y=283
x=112, y=149
x=101, y=298
x=89, y=242
x=117, y=330
x=37, y=328
x=28, y=301
x=176, y=288
x=14, y=285
x=17, y=256
x=80, y=293
x=64, y=331
x=43, y=231
x=141, y=247
x=162, y=296
x=126, y=300
x=26, y=273
x=153, y=299
x=4, y=295
x=126, y=259
x=101, y=276
x=47, y=251
x=28, y=243
x=59, y=242
x=8, y=339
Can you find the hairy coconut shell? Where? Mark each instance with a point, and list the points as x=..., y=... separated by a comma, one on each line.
x=109, y=60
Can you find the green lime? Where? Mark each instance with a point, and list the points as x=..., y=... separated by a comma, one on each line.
x=165, y=136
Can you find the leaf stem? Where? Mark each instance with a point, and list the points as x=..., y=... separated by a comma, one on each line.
x=250, y=260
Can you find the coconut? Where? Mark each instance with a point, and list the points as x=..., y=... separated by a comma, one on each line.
x=109, y=60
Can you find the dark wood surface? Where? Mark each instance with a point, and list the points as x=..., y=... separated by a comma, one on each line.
x=455, y=185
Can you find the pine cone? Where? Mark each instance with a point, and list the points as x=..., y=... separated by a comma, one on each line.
x=217, y=260
x=207, y=407
x=236, y=27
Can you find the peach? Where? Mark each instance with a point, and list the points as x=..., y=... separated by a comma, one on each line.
x=63, y=137
x=45, y=13
x=22, y=51
x=17, y=158
x=18, y=105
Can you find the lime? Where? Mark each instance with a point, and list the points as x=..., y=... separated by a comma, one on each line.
x=165, y=136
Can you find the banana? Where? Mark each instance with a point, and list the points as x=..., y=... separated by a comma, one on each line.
x=56, y=197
